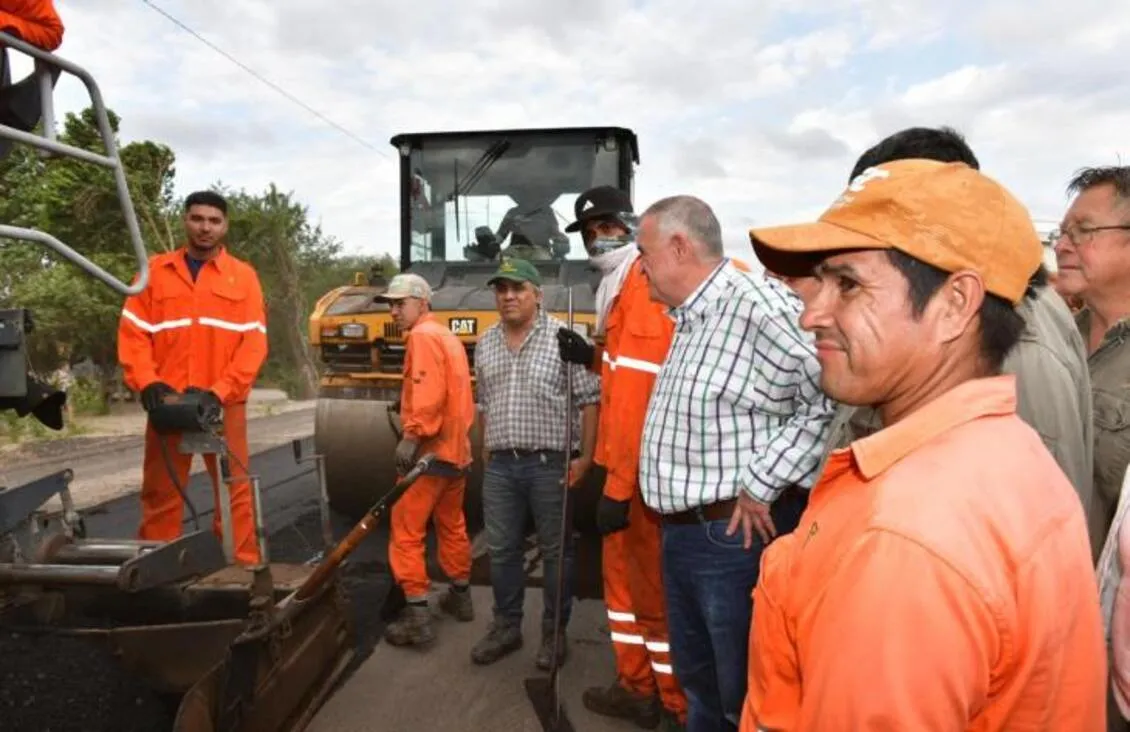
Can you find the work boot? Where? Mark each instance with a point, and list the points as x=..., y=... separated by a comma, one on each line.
x=458, y=604
x=501, y=640
x=616, y=701
x=412, y=627
x=545, y=653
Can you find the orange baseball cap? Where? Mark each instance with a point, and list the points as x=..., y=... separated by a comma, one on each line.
x=944, y=214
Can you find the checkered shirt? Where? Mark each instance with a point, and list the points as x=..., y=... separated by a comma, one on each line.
x=522, y=394
x=737, y=404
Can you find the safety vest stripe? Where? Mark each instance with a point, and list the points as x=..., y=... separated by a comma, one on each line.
x=662, y=668
x=658, y=647
x=638, y=364
x=237, y=327
x=632, y=363
x=156, y=327
x=635, y=640
x=621, y=617
x=185, y=322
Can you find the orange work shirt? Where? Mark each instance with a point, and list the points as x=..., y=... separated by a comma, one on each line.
x=940, y=579
x=436, y=406
x=210, y=334
x=35, y=22
x=638, y=333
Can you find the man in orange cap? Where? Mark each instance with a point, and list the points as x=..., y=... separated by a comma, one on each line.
x=941, y=576
x=436, y=411
x=200, y=325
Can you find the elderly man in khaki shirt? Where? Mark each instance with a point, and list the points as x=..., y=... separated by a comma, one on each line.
x=1050, y=363
x=1093, y=253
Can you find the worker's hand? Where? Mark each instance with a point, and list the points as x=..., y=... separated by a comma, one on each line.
x=574, y=348
x=210, y=403
x=752, y=515
x=577, y=470
x=154, y=394
x=406, y=454
x=611, y=516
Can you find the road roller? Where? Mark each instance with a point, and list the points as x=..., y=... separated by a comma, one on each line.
x=466, y=200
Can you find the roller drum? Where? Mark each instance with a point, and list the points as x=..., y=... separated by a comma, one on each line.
x=359, y=449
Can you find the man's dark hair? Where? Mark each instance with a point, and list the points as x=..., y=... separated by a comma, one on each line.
x=206, y=198
x=1113, y=175
x=1001, y=324
x=944, y=144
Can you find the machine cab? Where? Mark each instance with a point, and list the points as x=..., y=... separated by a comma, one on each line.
x=478, y=196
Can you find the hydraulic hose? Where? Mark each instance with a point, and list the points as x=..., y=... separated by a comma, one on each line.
x=176, y=482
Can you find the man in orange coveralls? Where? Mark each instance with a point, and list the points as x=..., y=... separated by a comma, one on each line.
x=436, y=412
x=941, y=575
x=199, y=326
x=636, y=333
x=35, y=22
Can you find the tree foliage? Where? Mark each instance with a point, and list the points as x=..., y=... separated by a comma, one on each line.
x=76, y=318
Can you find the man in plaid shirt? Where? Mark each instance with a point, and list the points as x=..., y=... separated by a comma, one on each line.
x=521, y=395
x=733, y=436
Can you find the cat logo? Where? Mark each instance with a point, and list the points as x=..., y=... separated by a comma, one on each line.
x=463, y=326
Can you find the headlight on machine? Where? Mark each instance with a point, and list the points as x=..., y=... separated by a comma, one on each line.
x=354, y=330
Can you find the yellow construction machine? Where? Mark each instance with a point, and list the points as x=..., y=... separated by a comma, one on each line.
x=466, y=200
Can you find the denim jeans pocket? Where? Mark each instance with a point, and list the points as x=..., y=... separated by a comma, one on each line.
x=716, y=535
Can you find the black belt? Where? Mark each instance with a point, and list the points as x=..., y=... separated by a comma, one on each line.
x=700, y=514
x=519, y=453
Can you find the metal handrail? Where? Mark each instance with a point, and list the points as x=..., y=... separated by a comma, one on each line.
x=45, y=61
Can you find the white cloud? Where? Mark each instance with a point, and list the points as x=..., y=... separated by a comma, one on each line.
x=759, y=108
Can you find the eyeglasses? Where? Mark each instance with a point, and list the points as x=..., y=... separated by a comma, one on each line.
x=1081, y=234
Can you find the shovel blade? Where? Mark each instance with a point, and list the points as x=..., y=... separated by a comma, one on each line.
x=547, y=706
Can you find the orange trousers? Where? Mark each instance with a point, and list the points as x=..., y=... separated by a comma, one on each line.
x=440, y=499
x=162, y=509
x=637, y=610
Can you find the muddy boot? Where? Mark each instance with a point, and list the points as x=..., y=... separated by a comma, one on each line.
x=545, y=653
x=458, y=603
x=501, y=640
x=412, y=627
x=616, y=701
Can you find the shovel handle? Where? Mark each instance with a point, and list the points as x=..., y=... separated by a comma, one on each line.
x=345, y=547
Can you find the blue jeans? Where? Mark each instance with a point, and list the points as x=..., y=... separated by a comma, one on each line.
x=708, y=579
x=511, y=486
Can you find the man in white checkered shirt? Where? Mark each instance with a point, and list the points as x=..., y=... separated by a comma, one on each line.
x=521, y=395
x=733, y=437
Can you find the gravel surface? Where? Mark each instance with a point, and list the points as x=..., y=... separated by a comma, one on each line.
x=55, y=683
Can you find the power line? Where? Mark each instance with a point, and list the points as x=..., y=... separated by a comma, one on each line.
x=266, y=81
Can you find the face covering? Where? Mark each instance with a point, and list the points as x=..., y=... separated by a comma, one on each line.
x=607, y=244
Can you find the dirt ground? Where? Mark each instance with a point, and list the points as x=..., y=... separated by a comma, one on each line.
x=107, y=456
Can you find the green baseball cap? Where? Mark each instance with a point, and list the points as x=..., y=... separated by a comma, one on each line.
x=516, y=269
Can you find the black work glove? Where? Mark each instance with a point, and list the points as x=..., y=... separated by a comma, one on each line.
x=611, y=516
x=154, y=394
x=406, y=454
x=574, y=348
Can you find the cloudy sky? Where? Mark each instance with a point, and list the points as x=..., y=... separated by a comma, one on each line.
x=759, y=110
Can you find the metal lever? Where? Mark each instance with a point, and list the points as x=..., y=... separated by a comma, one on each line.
x=323, y=495
x=47, y=142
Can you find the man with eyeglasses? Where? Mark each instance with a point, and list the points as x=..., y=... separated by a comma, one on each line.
x=1093, y=255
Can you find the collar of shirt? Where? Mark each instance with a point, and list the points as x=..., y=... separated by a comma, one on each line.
x=1117, y=331
x=976, y=398
x=698, y=303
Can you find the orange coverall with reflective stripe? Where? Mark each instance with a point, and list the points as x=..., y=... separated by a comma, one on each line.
x=638, y=334
x=437, y=410
x=210, y=334
x=33, y=21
